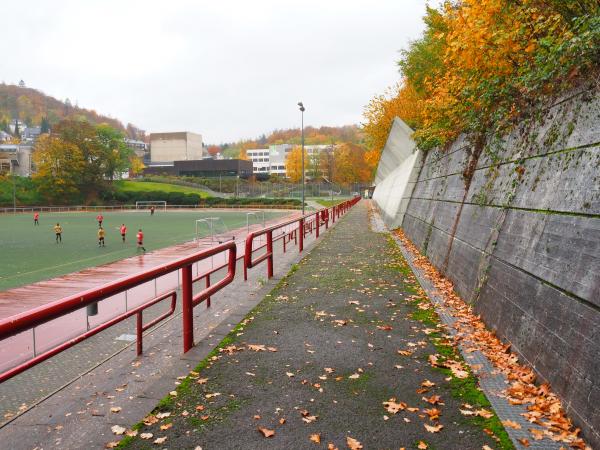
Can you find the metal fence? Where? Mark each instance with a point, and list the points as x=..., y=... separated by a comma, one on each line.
x=82, y=208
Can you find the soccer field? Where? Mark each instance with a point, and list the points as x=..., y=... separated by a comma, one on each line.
x=29, y=253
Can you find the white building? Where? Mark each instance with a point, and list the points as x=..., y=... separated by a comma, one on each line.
x=278, y=154
x=313, y=150
x=179, y=146
x=260, y=160
x=140, y=148
x=30, y=134
x=272, y=160
x=12, y=126
x=4, y=136
x=15, y=158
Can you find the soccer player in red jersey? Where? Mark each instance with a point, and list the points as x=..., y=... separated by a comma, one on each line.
x=36, y=218
x=123, y=231
x=99, y=218
x=140, y=240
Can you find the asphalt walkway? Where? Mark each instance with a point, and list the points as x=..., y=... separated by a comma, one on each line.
x=338, y=355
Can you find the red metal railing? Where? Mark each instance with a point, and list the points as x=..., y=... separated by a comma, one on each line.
x=301, y=227
x=306, y=225
x=38, y=316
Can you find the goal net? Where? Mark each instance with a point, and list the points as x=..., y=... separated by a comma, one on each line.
x=213, y=228
x=158, y=204
x=254, y=218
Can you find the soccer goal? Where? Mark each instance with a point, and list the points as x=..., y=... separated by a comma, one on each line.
x=213, y=228
x=149, y=203
x=255, y=218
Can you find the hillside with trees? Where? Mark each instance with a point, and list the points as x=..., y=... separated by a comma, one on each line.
x=352, y=134
x=34, y=108
x=349, y=163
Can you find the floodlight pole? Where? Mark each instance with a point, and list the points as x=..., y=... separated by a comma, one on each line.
x=331, y=160
x=302, y=113
x=12, y=173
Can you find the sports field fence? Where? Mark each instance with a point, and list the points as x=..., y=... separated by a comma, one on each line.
x=83, y=208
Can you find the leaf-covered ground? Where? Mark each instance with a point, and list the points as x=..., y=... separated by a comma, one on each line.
x=345, y=353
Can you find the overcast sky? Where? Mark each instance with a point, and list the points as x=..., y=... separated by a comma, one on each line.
x=224, y=69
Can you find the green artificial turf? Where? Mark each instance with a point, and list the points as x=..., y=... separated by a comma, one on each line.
x=29, y=253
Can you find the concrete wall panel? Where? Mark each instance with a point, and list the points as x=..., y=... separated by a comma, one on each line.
x=526, y=245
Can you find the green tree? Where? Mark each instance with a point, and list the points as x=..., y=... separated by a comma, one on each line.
x=314, y=166
x=83, y=136
x=115, y=154
x=45, y=125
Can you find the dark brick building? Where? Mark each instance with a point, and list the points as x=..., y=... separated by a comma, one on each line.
x=205, y=168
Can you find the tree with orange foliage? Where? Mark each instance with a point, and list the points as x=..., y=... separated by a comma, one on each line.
x=245, y=146
x=213, y=149
x=349, y=164
x=400, y=101
x=480, y=63
x=293, y=164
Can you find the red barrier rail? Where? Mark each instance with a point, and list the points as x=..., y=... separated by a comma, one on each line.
x=38, y=316
x=306, y=225
x=43, y=314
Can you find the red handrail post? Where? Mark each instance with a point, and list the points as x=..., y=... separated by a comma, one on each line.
x=140, y=327
x=187, y=305
x=301, y=234
x=326, y=218
x=270, y=253
x=317, y=219
x=207, y=286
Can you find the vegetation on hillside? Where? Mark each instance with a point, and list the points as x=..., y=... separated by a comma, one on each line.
x=482, y=64
x=24, y=188
x=34, y=108
x=349, y=163
x=312, y=136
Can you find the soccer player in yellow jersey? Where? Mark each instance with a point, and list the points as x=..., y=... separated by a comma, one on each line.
x=58, y=231
x=101, y=234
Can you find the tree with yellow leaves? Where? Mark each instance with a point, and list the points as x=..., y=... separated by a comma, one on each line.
x=136, y=165
x=293, y=164
x=60, y=168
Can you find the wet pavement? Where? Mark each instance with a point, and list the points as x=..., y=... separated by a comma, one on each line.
x=338, y=354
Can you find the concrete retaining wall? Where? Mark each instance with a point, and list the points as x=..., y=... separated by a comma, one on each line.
x=397, y=174
x=521, y=241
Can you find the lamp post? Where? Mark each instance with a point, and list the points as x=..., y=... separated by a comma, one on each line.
x=12, y=175
x=302, y=112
